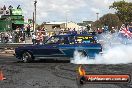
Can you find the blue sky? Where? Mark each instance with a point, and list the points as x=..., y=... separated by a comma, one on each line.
x=59, y=10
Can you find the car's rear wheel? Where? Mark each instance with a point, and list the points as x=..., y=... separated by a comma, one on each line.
x=27, y=57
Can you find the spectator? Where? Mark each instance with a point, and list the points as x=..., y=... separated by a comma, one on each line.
x=41, y=38
x=74, y=31
x=61, y=32
x=46, y=36
x=34, y=38
x=130, y=27
x=10, y=38
x=23, y=34
x=83, y=32
x=16, y=37
x=6, y=38
x=22, y=38
x=69, y=31
x=113, y=30
x=22, y=29
x=28, y=30
x=43, y=31
x=2, y=38
x=100, y=30
x=38, y=38
x=20, y=32
x=17, y=29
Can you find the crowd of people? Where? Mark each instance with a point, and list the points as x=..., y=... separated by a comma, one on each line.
x=38, y=37
x=19, y=35
x=12, y=37
x=43, y=34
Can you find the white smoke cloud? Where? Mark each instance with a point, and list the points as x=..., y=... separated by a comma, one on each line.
x=117, y=55
x=112, y=54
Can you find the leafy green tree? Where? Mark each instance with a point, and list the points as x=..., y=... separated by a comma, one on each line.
x=123, y=10
x=97, y=24
x=111, y=20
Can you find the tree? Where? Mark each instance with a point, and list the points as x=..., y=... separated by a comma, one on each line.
x=110, y=20
x=123, y=10
x=96, y=24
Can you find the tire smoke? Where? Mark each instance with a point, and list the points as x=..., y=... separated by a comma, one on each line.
x=115, y=54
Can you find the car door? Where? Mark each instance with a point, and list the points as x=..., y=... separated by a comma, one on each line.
x=67, y=46
x=50, y=48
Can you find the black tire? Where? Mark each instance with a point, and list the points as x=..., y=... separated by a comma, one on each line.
x=27, y=57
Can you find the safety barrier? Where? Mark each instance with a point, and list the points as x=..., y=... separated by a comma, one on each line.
x=12, y=45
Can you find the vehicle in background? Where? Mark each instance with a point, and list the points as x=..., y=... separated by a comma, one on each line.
x=61, y=46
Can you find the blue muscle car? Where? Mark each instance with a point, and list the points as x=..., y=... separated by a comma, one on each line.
x=61, y=46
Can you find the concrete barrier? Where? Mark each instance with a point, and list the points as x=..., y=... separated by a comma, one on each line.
x=11, y=46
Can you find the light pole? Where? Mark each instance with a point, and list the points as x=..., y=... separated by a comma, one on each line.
x=35, y=2
x=33, y=23
x=97, y=16
x=66, y=20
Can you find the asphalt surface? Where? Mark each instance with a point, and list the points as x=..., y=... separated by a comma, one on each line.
x=54, y=74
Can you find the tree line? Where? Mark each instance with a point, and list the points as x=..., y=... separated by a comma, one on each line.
x=123, y=15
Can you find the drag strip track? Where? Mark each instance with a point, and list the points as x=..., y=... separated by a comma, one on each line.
x=61, y=71
x=54, y=74
x=66, y=72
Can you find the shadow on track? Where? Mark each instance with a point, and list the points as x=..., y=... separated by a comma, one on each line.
x=47, y=61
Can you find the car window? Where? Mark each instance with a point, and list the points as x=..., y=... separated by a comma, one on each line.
x=64, y=40
x=85, y=39
x=58, y=40
x=72, y=39
x=53, y=40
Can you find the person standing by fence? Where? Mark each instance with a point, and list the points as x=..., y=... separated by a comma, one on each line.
x=6, y=37
x=2, y=37
x=38, y=38
x=34, y=38
x=28, y=30
x=130, y=27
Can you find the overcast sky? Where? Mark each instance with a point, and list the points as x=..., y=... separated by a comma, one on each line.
x=59, y=10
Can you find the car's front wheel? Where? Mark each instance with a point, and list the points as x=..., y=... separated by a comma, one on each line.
x=27, y=57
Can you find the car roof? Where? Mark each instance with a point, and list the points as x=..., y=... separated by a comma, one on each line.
x=66, y=35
